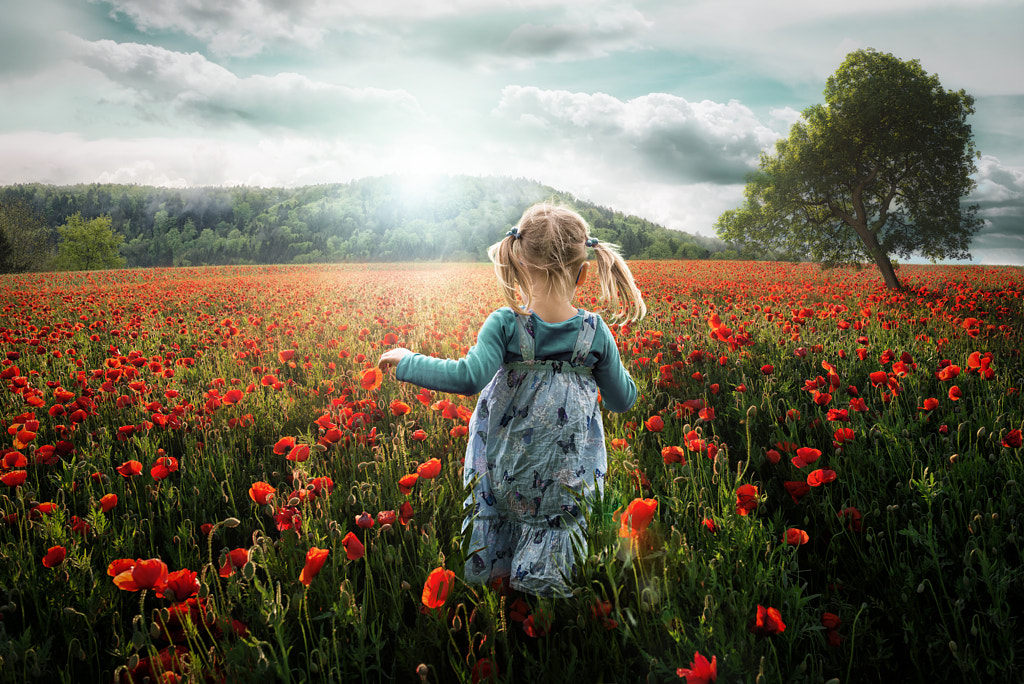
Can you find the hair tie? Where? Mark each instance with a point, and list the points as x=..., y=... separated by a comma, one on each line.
x=514, y=233
x=591, y=242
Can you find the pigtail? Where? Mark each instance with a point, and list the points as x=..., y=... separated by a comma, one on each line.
x=617, y=285
x=510, y=272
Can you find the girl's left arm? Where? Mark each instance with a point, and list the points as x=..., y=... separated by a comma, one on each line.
x=618, y=390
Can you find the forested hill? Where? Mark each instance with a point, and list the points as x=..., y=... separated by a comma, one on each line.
x=372, y=219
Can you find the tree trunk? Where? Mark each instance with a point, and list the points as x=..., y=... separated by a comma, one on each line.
x=883, y=262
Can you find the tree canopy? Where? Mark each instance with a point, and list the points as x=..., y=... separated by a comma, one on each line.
x=24, y=238
x=878, y=169
x=88, y=245
x=370, y=219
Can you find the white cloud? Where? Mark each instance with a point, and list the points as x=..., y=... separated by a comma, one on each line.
x=67, y=158
x=972, y=45
x=246, y=27
x=660, y=137
x=585, y=34
x=170, y=85
x=998, y=183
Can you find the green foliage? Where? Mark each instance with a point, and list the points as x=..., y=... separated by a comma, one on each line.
x=878, y=170
x=24, y=238
x=373, y=219
x=88, y=245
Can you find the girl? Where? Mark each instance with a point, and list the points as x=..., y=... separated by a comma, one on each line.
x=536, y=440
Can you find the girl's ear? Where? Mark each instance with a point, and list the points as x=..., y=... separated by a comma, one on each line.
x=584, y=270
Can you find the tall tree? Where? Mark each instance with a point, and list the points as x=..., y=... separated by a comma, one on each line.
x=24, y=238
x=88, y=245
x=879, y=169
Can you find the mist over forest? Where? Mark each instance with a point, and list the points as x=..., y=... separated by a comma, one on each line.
x=391, y=218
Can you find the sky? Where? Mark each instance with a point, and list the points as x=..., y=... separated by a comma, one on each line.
x=654, y=108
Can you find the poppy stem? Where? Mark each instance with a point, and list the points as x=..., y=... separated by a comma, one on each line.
x=853, y=637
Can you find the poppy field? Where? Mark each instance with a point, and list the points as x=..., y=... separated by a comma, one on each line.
x=206, y=478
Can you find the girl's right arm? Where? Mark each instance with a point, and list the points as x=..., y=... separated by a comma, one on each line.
x=392, y=357
x=465, y=376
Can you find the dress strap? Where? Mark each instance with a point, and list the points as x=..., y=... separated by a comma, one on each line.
x=553, y=366
x=525, y=325
x=585, y=338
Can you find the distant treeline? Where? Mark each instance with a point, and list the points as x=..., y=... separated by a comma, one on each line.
x=372, y=219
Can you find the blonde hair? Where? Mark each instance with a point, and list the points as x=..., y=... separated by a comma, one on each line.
x=551, y=240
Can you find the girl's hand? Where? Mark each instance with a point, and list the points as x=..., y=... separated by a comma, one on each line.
x=392, y=357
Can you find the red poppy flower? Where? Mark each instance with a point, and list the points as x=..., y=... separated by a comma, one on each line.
x=419, y=435
x=673, y=454
x=364, y=521
x=407, y=482
x=805, y=456
x=405, y=513
x=118, y=566
x=14, y=459
x=232, y=397
x=144, y=574
x=693, y=441
x=322, y=485
x=179, y=585
x=655, y=424
x=853, y=516
x=233, y=560
x=710, y=525
x=843, y=435
x=14, y=478
x=858, y=404
x=261, y=493
x=1012, y=440
x=288, y=518
x=637, y=516
x=285, y=355
x=767, y=369
x=108, y=501
x=315, y=559
x=838, y=415
x=130, y=468
x=955, y=393
x=700, y=671
x=164, y=466
x=773, y=456
x=354, y=548
x=399, y=408
x=437, y=587
x=820, y=477
x=54, y=556
x=371, y=379
x=767, y=622
x=796, y=537
x=746, y=499
x=299, y=453
x=284, y=445
x=430, y=469
x=796, y=489
x=484, y=671
x=387, y=517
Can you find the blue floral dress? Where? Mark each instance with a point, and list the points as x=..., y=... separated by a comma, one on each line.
x=535, y=454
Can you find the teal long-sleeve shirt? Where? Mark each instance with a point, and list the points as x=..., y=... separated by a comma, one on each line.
x=498, y=343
